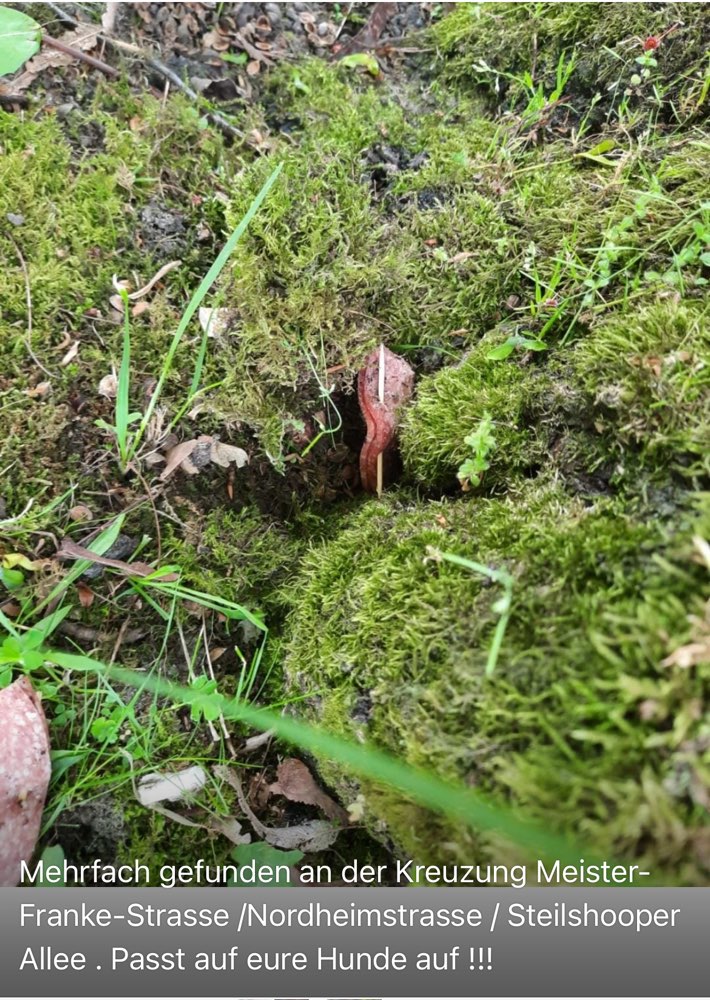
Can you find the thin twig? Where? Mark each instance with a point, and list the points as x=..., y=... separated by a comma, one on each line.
x=69, y=50
x=213, y=116
x=28, y=298
x=210, y=668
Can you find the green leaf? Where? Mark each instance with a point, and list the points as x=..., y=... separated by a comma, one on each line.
x=19, y=39
x=533, y=344
x=501, y=352
x=236, y=60
x=11, y=578
x=362, y=59
x=264, y=856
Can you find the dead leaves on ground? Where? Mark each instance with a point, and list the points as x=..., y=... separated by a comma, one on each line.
x=296, y=783
x=192, y=456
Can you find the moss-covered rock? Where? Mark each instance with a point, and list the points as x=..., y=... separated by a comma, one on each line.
x=451, y=403
x=582, y=725
x=631, y=398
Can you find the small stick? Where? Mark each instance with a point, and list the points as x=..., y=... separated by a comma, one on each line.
x=69, y=50
x=381, y=397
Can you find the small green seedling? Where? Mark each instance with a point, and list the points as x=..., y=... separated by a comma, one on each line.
x=513, y=342
x=481, y=442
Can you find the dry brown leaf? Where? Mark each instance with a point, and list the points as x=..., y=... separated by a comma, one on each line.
x=139, y=308
x=170, y=786
x=86, y=595
x=690, y=655
x=253, y=67
x=215, y=322
x=108, y=386
x=296, y=783
x=80, y=512
x=25, y=770
x=39, y=390
x=311, y=836
x=176, y=456
x=72, y=550
x=224, y=454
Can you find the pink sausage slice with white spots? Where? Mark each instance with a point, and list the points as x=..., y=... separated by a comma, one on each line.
x=25, y=769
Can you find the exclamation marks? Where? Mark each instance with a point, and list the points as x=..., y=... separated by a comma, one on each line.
x=480, y=959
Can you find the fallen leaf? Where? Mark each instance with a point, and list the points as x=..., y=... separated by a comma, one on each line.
x=296, y=783
x=39, y=390
x=86, y=595
x=253, y=67
x=690, y=655
x=25, y=770
x=80, y=512
x=139, y=308
x=71, y=550
x=215, y=322
x=82, y=38
x=108, y=386
x=311, y=836
x=70, y=355
x=176, y=456
x=222, y=454
x=459, y=257
x=191, y=456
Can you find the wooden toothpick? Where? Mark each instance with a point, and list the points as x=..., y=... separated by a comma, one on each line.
x=381, y=397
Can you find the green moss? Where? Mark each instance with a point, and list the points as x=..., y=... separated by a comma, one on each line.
x=509, y=50
x=81, y=212
x=601, y=595
x=649, y=379
x=341, y=256
x=242, y=555
x=450, y=404
x=630, y=399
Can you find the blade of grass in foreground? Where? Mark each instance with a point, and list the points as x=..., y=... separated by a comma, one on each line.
x=455, y=801
x=202, y=290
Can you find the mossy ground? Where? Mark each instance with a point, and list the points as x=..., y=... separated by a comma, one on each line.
x=447, y=208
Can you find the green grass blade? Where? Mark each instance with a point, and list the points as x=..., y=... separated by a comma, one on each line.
x=455, y=801
x=101, y=544
x=196, y=300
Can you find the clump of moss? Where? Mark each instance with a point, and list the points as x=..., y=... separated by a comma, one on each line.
x=564, y=728
x=631, y=396
x=520, y=54
x=80, y=223
x=649, y=379
x=451, y=403
x=242, y=555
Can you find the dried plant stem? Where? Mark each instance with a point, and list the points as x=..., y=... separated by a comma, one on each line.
x=69, y=50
